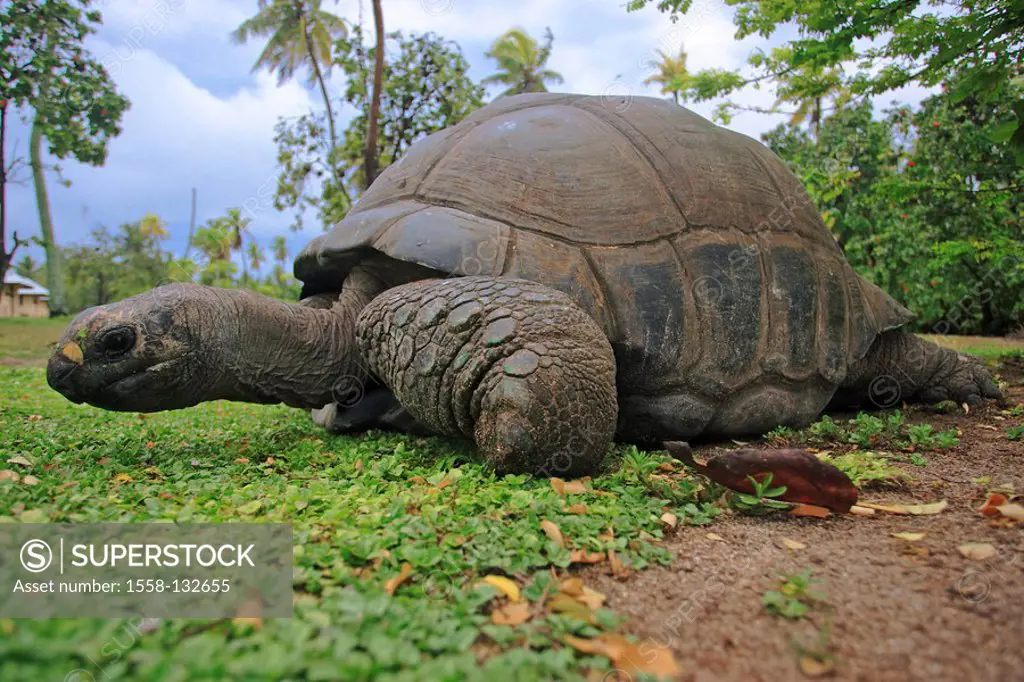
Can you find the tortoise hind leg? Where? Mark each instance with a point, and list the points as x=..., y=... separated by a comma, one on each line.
x=901, y=366
x=514, y=365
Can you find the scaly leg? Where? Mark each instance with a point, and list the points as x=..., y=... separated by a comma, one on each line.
x=514, y=365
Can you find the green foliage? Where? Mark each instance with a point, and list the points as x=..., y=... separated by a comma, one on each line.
x=874, y=46
x=360, y=508
x=114, y=265
x=923, y=204
x=761, y=501
x=866, y=467
x=522, y=62
x=794, y=597
x=426, y=88
x=870, y=431
x=1015, y=432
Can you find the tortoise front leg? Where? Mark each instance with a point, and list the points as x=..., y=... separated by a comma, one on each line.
x=514, y=365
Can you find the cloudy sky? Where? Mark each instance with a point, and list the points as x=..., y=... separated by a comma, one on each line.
x=201, y=118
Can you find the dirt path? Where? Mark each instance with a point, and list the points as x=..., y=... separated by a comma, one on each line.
x=892, y=609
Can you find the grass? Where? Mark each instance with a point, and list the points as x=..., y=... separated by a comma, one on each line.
x=361, y=508
x=984, y=347
x=29, y=339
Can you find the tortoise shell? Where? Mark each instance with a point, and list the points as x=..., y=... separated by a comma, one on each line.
x=696, y=249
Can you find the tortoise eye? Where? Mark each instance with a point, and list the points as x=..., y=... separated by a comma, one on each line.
x=118, y=341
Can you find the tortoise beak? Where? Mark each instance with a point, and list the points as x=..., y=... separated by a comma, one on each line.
x=60, y=371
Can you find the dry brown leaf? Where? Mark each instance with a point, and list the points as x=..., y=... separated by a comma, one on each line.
x=608, y=535
x=580, y=556
x=858, y=510
x=504, y=585
x=909, y=537
x=241, y=460
x=912, y=509
x=553, y=533
x=1012, y=511
x=396, y=582
x=810, y=510
x=20, y=459
x=807, y=479
x=714, y=536
x=418, y=479
x=670, y=520
x=977, y=551
x=444, y=484
x=811, y=667
x=618, y=568
x=578, y=508
x=511, y=614
x=632, y=659
x=270, y=461
x=792, y=544
x=591, y=598
x=8, y=475
x=561, y=487
x=30, y=480
x=991, y=504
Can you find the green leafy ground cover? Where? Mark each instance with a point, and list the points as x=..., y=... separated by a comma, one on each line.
x=362, y=508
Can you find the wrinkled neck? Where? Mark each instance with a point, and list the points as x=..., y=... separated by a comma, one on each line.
x=261, y=350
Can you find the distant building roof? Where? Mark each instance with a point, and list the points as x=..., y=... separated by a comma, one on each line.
x=26, y=286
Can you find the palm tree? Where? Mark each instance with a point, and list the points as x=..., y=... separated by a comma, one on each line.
x=280, y=250
x=814, y=86
x=672, y=74
x=371, y=162
x=521, y=61
x=254, y=253
x=299, y=35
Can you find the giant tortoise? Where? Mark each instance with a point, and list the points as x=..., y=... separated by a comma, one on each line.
x=551, y=273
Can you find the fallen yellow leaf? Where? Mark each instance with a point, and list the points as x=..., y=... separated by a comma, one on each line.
x=670, y=520
x=591, y=598
x=858, y=510
x=73, y=352
x=241, y=460
x=912, y=509
x=977, y=551
x=572, y=587
x=792, y=544
x=30, y=480
x=504, y=585
x=814, y=668
x=618, y=568
x=8, y=475
x=20, y=459
x=580, y=556
x=909, y=537
x=553, y=533
x=578, y=508
x=246, y=623
x=566, y=605
x=511, y=614
x=714, y=536
x=1012, y=511
x=396, y=582
x=123, y=478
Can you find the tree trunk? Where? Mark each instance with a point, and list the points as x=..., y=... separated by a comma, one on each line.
x=5, y=256
x=339, y=176
x=191, y=225
x=371, y=161
x=54, y=269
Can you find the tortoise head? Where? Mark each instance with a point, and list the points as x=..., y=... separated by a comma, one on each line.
x=137, y=355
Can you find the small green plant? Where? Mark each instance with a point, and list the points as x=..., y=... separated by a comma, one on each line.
x=762, y=500
x=1016, y=411
x=866, y=430
x=923, y=436
x=825, y=429
x=782, y=435
x=1015, y=432
x=794, y=597
x=867, y=467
